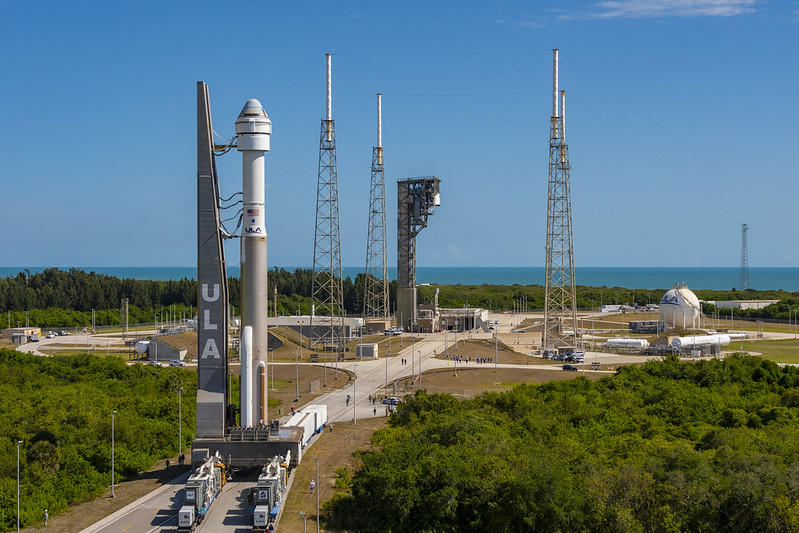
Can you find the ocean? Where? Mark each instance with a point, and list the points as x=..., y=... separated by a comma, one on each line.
x=719, y=278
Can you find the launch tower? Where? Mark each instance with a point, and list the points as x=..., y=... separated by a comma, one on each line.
x=327, y=289
x=375, y=302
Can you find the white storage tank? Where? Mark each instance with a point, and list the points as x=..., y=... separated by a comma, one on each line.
x=699, y=340
x=680, y=307
x=639, y=344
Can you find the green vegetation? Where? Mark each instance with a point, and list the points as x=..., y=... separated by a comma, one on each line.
x=65, y=298
x=501, y=297
x=60, y=407
x=666, y=446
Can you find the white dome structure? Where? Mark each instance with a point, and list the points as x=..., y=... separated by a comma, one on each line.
x=680, y=307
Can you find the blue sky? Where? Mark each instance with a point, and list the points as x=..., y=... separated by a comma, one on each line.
x=681, y=122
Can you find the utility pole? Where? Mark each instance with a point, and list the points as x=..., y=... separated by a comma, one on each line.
x=354, y=379
x=316, y=462
x=18, y=443
x=113, y=413
x=560, y=300
x=180, y=422
x=496, y=350
x=327, y=292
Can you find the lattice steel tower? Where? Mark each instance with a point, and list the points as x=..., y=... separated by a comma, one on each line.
x=560, y=301
x=744, y=281
x=327, y=291
x=375, y=301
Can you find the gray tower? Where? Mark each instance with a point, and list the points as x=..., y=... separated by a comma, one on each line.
x=327, y=290
x=744, y=281
x=560, y=301
x=212, y=288
x=375, y=301
x=416, y=198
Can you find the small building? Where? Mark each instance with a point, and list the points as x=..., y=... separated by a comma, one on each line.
x=160, y=351
x=317, y=326
x=24, y=334
x=365, y=351
x=743, y=304
x=463, y=318
x=647, y=326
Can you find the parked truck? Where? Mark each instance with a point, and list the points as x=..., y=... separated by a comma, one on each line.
x=268, y=494
x=201, y=489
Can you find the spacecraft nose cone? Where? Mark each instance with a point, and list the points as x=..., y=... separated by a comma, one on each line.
x=252, y=108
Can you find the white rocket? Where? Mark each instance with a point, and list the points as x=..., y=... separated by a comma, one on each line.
x=253, y=129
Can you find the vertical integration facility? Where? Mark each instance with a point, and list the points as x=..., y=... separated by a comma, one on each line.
x=416, y=198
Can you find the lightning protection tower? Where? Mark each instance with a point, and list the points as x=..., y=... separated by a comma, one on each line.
x=744, y=281
x=375, y=301
x=327, y=290
x=560, y=301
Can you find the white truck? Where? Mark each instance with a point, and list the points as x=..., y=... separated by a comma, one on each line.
x=201, y=489
x=269, y=493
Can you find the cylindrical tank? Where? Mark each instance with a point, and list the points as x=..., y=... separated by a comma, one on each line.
x=628, y=343
x=680, y=307
x=699, y=340
x=141, y=346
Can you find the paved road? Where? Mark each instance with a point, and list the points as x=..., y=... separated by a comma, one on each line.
x=156, y=511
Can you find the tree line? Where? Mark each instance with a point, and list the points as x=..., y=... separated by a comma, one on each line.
x=666, y=446
x=60, y=408
x=64, y=297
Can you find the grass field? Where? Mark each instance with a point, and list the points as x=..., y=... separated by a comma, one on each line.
x=783, y=351
x=335, y=450
x=470, y=382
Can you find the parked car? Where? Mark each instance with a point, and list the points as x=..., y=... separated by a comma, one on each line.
x=391, y=401
x=570, y=368
x=50, y=335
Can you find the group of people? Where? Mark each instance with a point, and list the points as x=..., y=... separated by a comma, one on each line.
x=478, y=360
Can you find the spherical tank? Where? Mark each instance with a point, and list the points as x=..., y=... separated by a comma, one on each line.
x=680, y=307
